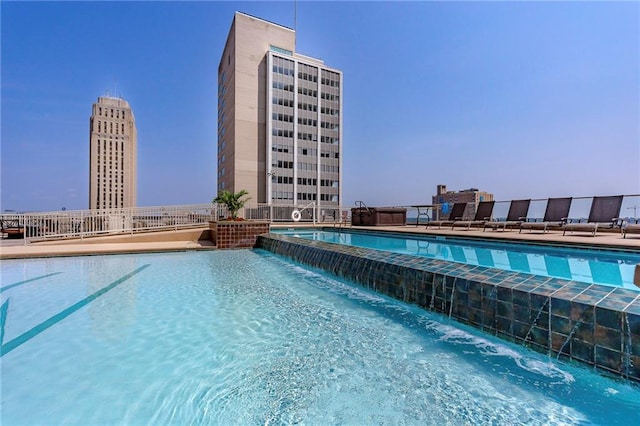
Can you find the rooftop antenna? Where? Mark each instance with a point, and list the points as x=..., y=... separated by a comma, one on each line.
x=295, y=22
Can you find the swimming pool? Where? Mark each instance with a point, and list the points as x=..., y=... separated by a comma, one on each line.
x=613, y=268
x=245, y=337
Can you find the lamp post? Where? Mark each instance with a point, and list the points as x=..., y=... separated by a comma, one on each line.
x=270, y=176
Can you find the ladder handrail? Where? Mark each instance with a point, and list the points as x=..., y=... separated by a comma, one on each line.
x=361, y=204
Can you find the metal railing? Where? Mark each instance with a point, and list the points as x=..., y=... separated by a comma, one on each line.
x=88, y=223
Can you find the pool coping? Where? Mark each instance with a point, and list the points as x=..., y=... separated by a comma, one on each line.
x=592, y=324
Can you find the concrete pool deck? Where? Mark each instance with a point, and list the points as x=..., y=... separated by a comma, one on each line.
x=183, y=240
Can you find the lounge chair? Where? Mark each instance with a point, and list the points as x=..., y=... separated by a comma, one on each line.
x=604, y=214
x=517, y=213
x=457, y=211
x=483, y=214
x=631, y=228
x=555, y=215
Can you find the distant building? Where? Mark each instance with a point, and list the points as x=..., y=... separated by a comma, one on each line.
x=279, y=118
x=444, y=199
x=112, y=155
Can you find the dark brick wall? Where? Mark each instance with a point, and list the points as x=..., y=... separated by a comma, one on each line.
x=231, y=235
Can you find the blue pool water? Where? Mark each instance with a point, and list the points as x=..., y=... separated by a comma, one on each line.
x=245, y=337
x=613, y=268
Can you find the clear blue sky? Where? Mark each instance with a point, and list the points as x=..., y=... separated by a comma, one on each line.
x=524, y=100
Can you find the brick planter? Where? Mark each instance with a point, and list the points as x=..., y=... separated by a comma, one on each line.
x=230, y=235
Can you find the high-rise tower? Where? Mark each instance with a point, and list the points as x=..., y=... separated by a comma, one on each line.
x=279, y=118
x=113, y=155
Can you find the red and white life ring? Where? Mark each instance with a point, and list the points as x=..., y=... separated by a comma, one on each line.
x=296, y=216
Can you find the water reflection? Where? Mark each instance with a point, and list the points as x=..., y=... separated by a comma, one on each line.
x=594, y=267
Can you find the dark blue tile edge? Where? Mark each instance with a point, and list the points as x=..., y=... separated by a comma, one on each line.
x=590, y=324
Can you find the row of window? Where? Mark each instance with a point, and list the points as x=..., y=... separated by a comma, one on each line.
x=308, y=77
x=282, y=70
x=308, y=121
x=103, y=144
x=307, y=166
x=329, y=168
x=303, y=196
x=329, y=139
x=308, y=92
x=282, y=195
x=282, y=117
x=282, y=132
x=282, y=101
x=100, y=127
x=327, y=154
x=329, y=197
x=307, y=181
x=326, y=125
x=110, y=179
x=329, y=96
x=282, y=86
x=108, y=112
x=308, y=136
x=330, y=82
x=282, y=179
x=305, y=151
x=329, y=111
x=304, y=91
x=302, y=120
x=329, y=182
x=282, y=164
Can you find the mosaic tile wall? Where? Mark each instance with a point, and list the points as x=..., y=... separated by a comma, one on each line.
x=588, y=323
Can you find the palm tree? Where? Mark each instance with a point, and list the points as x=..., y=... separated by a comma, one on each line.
x=233, y=202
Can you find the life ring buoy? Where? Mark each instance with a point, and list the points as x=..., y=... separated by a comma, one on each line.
x=295, y=215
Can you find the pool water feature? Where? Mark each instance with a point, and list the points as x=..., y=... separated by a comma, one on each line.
x=246, y=337
x=594, y=324
x=607, y=267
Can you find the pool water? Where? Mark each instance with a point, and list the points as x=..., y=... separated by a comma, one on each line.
x=245, y=337
x=613, y=268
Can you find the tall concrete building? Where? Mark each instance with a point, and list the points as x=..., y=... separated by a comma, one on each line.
x=112, y=154
x=279, y=118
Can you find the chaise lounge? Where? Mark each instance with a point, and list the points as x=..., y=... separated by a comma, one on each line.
x=457, y=211
x=604, y=214
x=631, y=228
x=555, y=215
x=517, y=213
x=483, y=214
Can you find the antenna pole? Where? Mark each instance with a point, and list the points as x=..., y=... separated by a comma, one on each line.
x=295, y=21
